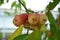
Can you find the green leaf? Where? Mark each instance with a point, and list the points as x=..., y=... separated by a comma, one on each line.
x=21, y=37
x=7, y=13
x=13, y=4
x=53, y=26
x=17, y=32
x=52, y=5
x=58, y=22
x=59, y=10
x=35, y=35
x=24, y=2
x=52, y=22
x=51, y=38
x=19, y=6
x=56, y=0
x=1, y=2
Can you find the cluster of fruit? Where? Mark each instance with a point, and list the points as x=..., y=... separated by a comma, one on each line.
x=31, y=20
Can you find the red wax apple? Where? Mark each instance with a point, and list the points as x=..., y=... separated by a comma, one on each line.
x=20, y=19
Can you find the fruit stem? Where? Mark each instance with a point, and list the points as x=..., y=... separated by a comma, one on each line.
x=28, y=29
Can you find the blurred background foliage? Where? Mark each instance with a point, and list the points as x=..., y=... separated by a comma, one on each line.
x=0, y=35
x=16, y=6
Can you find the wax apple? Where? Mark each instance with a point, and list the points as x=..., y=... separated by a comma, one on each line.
x=33, y=19
x=20, y=19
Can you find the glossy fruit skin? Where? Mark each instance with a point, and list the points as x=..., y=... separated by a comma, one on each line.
x=29, y=20
x=26, y=24
x=33, y=19
x=20, y=19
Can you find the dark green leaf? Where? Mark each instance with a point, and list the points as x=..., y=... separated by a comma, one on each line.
x=56, y=0
x=52, y=5
x=59, y=10
x=13, y=4
x=58, y=22
x=51, y=38
x=53, y=26
x=1, y=2
x=52, y=21
x=21, y=37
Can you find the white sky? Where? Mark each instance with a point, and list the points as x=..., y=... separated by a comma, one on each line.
x=33, y=4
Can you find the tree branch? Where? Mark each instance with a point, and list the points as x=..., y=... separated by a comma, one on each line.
x=25, y=7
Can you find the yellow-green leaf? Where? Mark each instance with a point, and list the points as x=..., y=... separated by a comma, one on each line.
x=13, y=4
x=21, y=37
x=16, y=33
x=35, y=35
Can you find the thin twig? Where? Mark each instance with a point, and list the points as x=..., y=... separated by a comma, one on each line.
x=28, y=31
x=25, y=7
